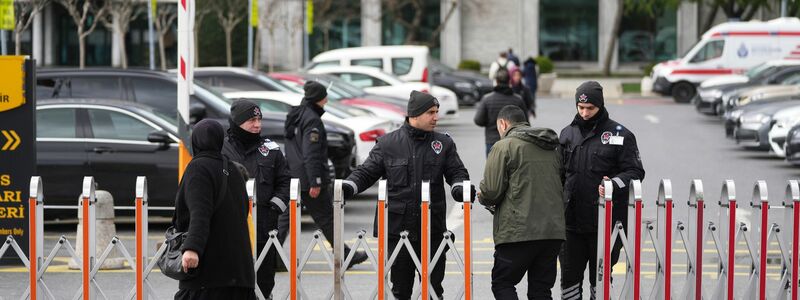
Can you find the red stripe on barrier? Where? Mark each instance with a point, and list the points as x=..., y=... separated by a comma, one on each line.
x=34, y=269
x=86, y=237
x=731, y=246
x=607, y=252
x=381, y=250
x=698, y=277
x=762, y=273
x=183, y=4
x=139, y=251
x=637, y=264
x=795, y=237
x=183, y=68
x=668, y=251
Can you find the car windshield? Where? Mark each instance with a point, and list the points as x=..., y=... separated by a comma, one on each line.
x=757, y=70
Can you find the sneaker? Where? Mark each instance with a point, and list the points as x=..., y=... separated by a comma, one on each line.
x=359, y=257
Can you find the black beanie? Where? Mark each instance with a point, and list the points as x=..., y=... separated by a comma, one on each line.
x=590, y=92
x=315, y=91
x=242, y=110
x=419, y=103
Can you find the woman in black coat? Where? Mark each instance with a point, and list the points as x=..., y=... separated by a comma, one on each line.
x=217, y=244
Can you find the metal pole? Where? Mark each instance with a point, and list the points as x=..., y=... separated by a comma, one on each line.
x=338, y=242
x=249, y=34
x=305, y=33
x=603, y=242
x=294, y=230
x=466, y=205
x=88, y=229
x=425, y=239
x=3, y=42
x=141, y=236
x=783, y=8
x=151, y=34
x=36, y=240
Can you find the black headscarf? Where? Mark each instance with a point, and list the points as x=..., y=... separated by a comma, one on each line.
x=207, y=139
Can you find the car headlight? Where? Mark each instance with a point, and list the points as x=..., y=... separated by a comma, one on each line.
x=465, y=86
x=713, y=94
x=478, y=83
x=756, y=118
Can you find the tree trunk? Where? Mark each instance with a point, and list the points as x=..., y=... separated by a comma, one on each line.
x=17, y=42
x=162, y=52
x=81, y=48
x=228, y=54
x=612, y=40
x=123, y=55
x=270, y=54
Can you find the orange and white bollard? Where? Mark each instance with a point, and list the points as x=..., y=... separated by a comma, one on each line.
x=383, y=239
x=467, y=207
x=141, y=236
x=425, y=240
x=605, y=226
x=36, y=230
x=294, y=231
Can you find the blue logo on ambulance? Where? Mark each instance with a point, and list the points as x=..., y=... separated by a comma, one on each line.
x=742, y=52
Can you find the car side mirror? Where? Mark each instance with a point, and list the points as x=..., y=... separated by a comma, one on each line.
x=196, y=112
x=159, y=137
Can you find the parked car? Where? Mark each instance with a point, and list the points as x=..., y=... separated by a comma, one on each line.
x=765, y=92
x=752, y=128
x=461, y=82
x=710, y=94
x=732, y=116
x=728, y=48
x=377, y=82
x=159, y=90
x=367, y=128
x=229, y=79
x=783, y=120
x=342, y=92
x=112, y=140
x=793, y=145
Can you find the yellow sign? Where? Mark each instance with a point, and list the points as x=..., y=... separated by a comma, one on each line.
x=12, y=86
x=254, y=14
x=309, y=17
x=7, y=21
x=153, y=8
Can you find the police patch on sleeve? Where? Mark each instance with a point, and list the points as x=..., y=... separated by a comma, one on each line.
x=313, y=137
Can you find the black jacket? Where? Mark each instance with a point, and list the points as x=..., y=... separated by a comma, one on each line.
x=527, y=97
x=490, y=106
x=406, y=157
x=307, y=145
x=609, y=149
x=265, y=163
x=216, y=227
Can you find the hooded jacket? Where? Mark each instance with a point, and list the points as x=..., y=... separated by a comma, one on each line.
x=307, y=145
x=593, y=149
x=216, y=228
x=490, y=106
x=522, y=179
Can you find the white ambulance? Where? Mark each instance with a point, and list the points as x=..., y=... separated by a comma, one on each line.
x=729, y=48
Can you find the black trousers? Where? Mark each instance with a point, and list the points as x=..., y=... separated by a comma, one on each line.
x=403, y=269
x=221, y=293
x=321, y=210
x=513, y=260
x=579, y=250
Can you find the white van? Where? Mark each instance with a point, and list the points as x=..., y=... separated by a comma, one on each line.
x=410, y=63
x=729, y=48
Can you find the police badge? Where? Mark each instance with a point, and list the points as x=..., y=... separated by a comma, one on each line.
x=437, y=146
x=605, y=137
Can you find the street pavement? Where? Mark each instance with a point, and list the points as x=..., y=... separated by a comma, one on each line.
x=675, y=143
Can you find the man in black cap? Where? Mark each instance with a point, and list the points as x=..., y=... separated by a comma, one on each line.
x=265, y=163
x=406, y=157
x=491, y=104
x=307, y=153
x=593, y=148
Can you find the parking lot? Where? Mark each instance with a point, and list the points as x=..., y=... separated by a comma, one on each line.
x=675, y=143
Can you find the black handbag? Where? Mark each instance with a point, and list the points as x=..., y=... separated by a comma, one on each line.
x=171, y=262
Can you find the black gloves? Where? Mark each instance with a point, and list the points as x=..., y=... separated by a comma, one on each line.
x=348, y=191
x=458, y=193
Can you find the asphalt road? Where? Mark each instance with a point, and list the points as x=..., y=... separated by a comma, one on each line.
x=675, y=143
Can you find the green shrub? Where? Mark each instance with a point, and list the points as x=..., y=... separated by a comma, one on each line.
x=469, y=64
x=545, y=64
x=648, y=68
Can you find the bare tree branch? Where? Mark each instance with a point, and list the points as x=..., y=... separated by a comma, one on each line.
x=25, y=12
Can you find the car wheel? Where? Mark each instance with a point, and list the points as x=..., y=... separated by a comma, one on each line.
x=683, y=92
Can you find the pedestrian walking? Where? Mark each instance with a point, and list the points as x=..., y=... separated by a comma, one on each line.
x=594, y=148
x=513, y=57
x=491, y=104
x=214, y=216
x=500, y=65
x=264, y=161
x=406, y=157
x=307, y=153
x=522, y=90
x=522, y=182
x=530, y=74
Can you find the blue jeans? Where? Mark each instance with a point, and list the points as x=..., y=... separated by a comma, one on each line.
x=489, y=148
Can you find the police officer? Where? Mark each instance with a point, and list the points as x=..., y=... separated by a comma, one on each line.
x=406, y=157
x=594, y=148
x=307, y=153
x=264, y=162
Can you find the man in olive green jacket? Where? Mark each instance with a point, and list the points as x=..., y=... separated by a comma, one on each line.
x=522, y=181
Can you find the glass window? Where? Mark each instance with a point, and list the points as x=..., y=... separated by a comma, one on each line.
x=568, y=31
x=648, y=36
x=161, y=95
x=238, y=84
x=45, y=88
x=55, y=123
x=107, y=87
x=107, y=124
x=361, y=80
x=371, y=62
x=791, y=80
x=272, y=105
x=711, y=50
x=322, y=64
x=401, y=66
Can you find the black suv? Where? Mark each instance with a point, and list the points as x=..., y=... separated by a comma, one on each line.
x=159, y=90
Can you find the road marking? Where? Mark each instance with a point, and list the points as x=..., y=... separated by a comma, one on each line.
x=652, y=119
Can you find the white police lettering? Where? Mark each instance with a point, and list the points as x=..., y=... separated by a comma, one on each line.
x=616, y=140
